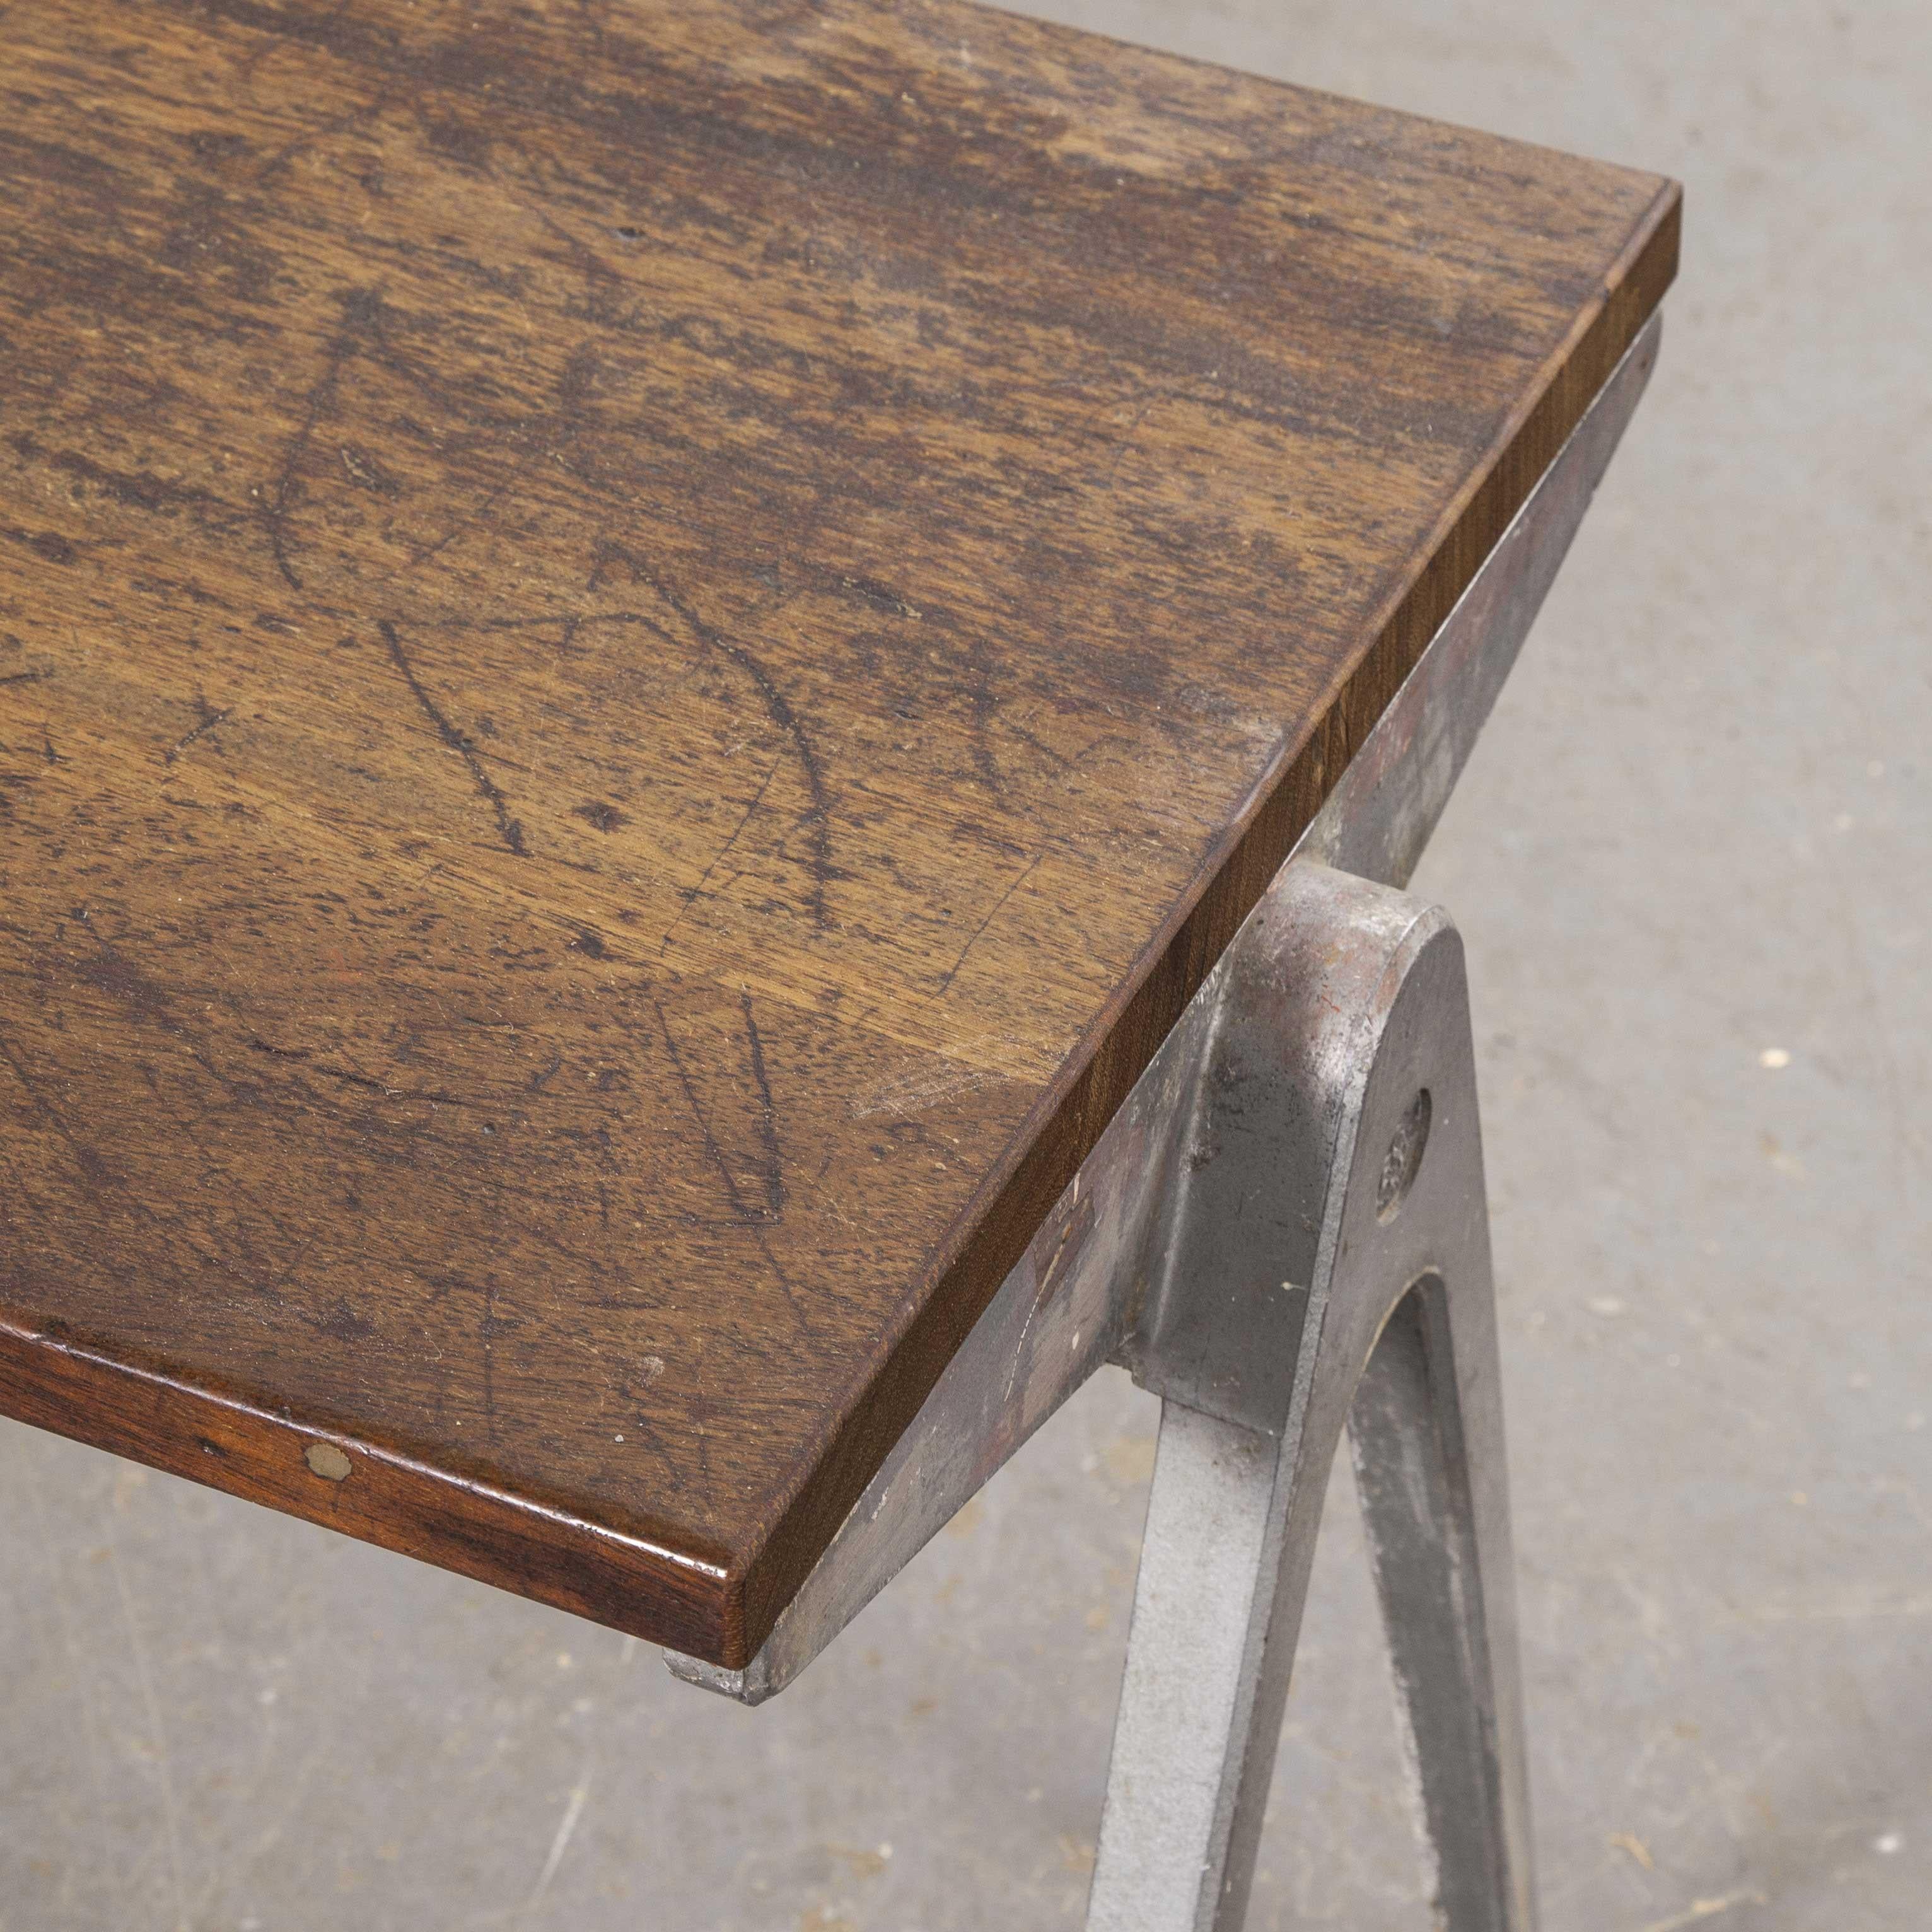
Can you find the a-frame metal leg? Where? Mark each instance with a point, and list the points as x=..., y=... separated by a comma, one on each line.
x=1426, y=1429
x=1230, y=1532
x=1362, y=1038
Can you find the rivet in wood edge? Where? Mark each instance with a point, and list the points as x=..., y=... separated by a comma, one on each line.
x=326, y=1460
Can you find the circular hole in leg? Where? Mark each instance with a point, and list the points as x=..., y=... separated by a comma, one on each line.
x=1403, y=1161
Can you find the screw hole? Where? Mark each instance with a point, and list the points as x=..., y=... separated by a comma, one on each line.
x=1403, y=1161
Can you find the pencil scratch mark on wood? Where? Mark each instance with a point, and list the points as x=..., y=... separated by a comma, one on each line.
x=208, y=719
x=768, y=1128
x=696, y=891
x=778, y=708
x=758, y=1218
x=95, y=1170
x=301, y=1057
x=979, y=931
x=741, y=1210
x=459, y=742
x=360, y=308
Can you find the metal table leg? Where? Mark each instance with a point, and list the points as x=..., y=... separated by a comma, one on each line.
x=1364, y=1033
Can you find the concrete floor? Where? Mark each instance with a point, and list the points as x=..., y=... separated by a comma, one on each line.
x=1695, y=840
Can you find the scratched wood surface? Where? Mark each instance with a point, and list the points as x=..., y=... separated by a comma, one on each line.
x=643, y=651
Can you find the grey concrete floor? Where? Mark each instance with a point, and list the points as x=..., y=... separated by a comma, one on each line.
x=1691, y=859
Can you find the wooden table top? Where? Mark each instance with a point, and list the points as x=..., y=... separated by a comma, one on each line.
x=643, y=652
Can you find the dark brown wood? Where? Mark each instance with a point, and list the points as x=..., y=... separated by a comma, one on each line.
x=643, y=652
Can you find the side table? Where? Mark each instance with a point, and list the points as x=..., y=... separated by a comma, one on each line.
x=710, y=722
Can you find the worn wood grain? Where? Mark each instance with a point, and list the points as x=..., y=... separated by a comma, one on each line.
x=643, y=652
